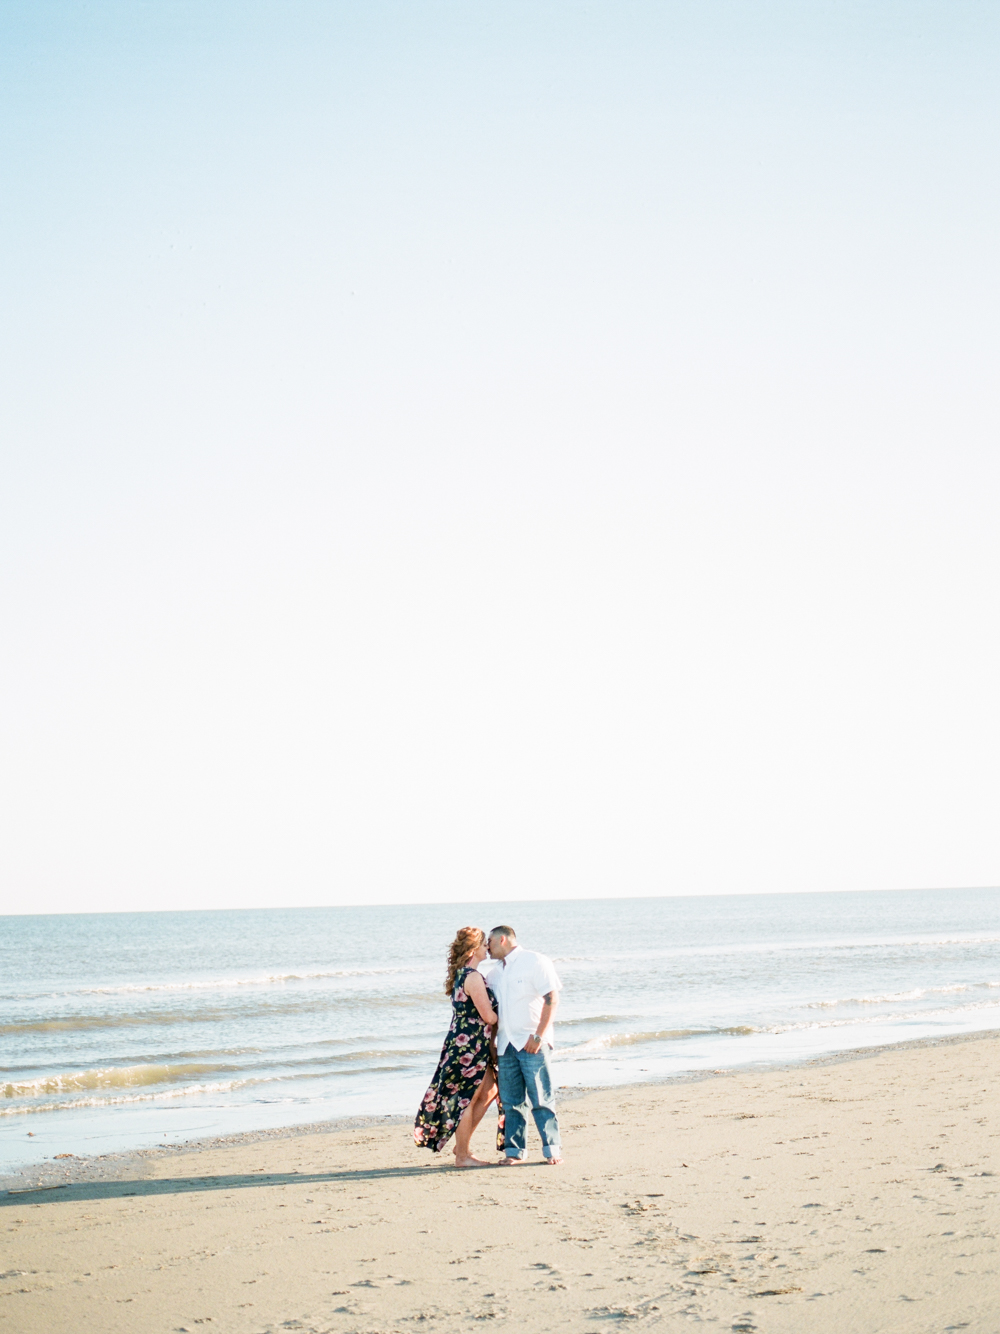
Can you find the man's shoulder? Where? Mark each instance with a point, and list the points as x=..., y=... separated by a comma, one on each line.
x=528, y=958
x=537, y=956
x=537, y=961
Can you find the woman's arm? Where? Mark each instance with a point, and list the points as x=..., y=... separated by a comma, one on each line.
x=475, y=989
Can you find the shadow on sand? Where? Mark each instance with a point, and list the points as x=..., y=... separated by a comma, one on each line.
x=117, y=1190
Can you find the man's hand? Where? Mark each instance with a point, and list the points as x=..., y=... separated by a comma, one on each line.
x=533, y=1045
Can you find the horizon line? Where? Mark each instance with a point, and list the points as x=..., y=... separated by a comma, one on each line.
x=445, y=903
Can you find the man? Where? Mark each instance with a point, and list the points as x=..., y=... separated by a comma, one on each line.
x=527, y=990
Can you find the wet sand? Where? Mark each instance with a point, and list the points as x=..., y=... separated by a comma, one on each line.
x=854, y=1194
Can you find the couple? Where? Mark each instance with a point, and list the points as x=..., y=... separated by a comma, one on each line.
x=501, y=1033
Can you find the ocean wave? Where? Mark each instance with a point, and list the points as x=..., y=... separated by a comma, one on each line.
x=301, y=1003
x=886, y=999
x=81, y=1023
x=113, y=1076
x=219, y=1087
x=208, y=984
x=354, y=1057
x=259, y=980
x=27, y=1093
x=598, y=1048
x=894, y=1017
x=595, y=1019
x=836, y=946
x=274, y=1069
x=891, y=997
x=611, y=1040
x=304, y=1067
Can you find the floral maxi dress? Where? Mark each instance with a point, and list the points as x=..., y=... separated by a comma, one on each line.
x=465, y=1058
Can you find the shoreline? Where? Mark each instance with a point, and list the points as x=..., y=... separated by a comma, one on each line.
x=51, y=1174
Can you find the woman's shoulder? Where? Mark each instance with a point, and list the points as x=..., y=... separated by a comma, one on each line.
x=461, y=977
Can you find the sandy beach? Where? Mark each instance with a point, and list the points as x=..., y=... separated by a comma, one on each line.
x=850, y=1195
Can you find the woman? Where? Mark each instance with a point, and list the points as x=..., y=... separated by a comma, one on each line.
x=465, y=1081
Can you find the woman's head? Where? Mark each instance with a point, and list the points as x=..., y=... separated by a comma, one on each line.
x=468, y=948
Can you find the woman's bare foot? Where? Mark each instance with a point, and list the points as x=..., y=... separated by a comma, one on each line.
x=467, y=1160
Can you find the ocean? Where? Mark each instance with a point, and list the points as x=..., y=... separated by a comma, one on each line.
x=127, y=1030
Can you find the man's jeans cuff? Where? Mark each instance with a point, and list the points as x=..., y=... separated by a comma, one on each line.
x=552, y=1151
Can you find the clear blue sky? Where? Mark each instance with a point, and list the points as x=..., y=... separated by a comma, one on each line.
x=460, y=450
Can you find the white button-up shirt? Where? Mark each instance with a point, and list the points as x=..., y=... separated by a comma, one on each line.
x=520, y=984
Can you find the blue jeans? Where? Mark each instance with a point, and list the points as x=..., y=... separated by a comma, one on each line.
x=526, y=1079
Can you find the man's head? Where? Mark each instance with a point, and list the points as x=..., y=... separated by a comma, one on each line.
x=502, y=940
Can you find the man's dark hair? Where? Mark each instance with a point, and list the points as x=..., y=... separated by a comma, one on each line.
x=507, y=931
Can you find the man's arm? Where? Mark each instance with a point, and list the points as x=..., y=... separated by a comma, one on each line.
x=550, y=1003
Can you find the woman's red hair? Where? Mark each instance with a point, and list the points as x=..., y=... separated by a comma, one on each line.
x=469, y=938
